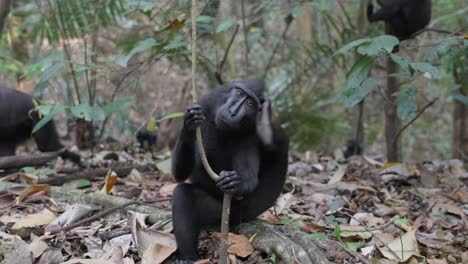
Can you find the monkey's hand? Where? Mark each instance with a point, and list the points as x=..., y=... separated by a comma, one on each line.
x=230, y=182
x=192, y=119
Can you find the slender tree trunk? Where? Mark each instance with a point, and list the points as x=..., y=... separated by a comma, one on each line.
x=392, y=124
x=4, y=11
x=460, y=128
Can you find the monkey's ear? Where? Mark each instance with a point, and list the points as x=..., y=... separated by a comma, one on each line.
x=264, y=128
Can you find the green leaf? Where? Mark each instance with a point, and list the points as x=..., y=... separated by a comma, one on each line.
x=400, y=221
x=118, y=104
x=30, y=170
x=355, y=79
x=205, y=19
x=361, y=92
x=429, y=71
x=378, y=45
x=88, y=113
x=404, y=64
x=319, y=235
x=51, y=110
x=354, y=245
x=460, y=98
x=171, y=116
x=351, y=45
x=52, y=71
x=406, y=102
x=335, y=205
x=337, y=232
x=151, y=126
x=225, y=25
x=139, y=47
x=175, y=43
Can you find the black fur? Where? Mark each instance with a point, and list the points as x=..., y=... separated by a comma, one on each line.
x=146, y=138
x=251, y=168
x=405, y=17
x=16, y=124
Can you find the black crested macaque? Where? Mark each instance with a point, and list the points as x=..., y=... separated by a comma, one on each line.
x=147, y=138
x=352, y=148
x=405, y=17
x=17, y=123
x=243, y=146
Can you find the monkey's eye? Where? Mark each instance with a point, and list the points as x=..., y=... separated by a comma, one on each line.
x=240, y=95
x=250, y=102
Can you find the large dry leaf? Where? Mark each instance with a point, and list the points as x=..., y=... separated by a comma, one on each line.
x=167, y=189
x=34, y=220
x=111, y=180
x=156, y=254
x=403, y=247
x=33, y=189
x=38, y=247
x=239, y=245
x=355, y=231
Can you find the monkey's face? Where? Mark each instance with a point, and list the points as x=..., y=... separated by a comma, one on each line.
x=238, y=113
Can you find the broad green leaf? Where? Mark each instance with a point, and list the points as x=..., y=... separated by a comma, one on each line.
x=52, y=71
x=358, y=74
x=319, y=235
x=31, y=170
x=429, y=71
x=118, y=104
x=225, y=25
x=404, y=64
x=52, y=110
x=205, y=19
x=337, y=232
x=378, y=45
x=406, y=102
x=177, y=42
x=88, y=112
x=142, y=5
x=361, y=92
x=139, y=47
x=351, y=45
x=354, y=245
x=460, y=98
x=400, y=221
x=172, y=116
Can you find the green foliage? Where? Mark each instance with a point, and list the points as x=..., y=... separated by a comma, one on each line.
x=400, y=221
x=319, y=235
x=141, y=46
x=406, y=102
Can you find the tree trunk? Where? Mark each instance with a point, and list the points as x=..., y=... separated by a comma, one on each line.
x=4, y=11
x=392, y=124
x=460, y=129
x=84, y=131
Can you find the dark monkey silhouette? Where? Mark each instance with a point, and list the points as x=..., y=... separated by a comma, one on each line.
x=147, y=138
x=242, y=145
x=17, y=123
x=405, y=17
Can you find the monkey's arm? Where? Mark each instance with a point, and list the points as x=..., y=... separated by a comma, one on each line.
x=243, y=179
x=183, y=157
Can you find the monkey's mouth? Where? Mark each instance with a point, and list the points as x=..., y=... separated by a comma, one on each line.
x=223, y=123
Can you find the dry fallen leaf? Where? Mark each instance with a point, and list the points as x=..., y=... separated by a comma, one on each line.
x=33, y=189
x=355, y=231
x=239, y=244
x=404, y=247
x=156, y=253
x=167, y=189
x=312, y=227
x=111, y=179
x=33, y=220
x=436, y=261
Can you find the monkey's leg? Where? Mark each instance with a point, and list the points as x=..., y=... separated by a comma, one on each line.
x=192, y=209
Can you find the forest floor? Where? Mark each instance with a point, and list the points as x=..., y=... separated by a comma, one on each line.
x=386, y=213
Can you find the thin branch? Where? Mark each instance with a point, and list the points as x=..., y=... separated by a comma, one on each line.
x=288, y=21
x=219, y=72
x=414, y=119
x=246, y=44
